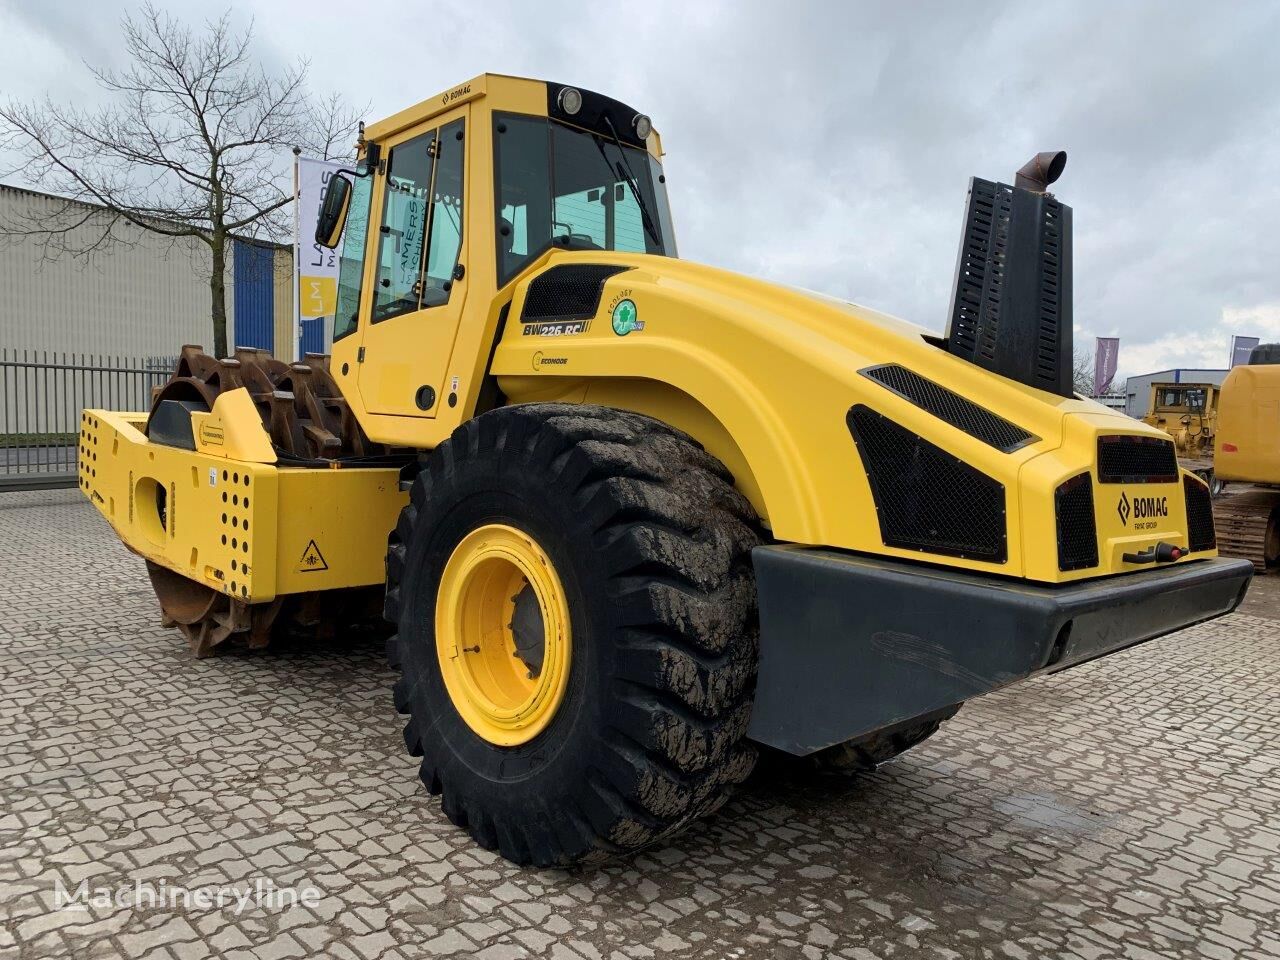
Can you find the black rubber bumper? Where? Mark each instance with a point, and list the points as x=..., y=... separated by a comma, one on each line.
x=850, y=644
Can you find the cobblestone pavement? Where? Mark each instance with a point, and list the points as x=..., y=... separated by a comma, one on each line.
x=1127, y=808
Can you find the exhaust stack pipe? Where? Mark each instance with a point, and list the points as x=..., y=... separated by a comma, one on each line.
x=1040, y=171
x=1011, y=300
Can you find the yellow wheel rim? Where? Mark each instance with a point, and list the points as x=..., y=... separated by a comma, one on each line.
x=502, y=634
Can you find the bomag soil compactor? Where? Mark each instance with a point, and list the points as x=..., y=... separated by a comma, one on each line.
x=630, y=516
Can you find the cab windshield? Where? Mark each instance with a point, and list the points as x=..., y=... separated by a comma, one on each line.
x=560, y=185
x=1185, y=398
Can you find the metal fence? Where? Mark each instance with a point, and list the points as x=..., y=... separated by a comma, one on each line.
x=41, y=396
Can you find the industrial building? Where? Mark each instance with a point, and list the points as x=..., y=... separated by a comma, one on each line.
x=139, y=298
x=1138, y=389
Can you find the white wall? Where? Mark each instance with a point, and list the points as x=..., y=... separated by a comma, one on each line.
x=139, y=300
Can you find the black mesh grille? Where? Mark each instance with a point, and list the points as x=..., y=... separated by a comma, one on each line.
x=1077, y=534
x=1200, y=532
x=568, y=292
x=952, y=408
x=926, y=499
x=1136, y=460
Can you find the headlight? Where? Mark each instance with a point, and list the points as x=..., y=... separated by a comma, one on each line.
x=569, y=100
x=642, y=125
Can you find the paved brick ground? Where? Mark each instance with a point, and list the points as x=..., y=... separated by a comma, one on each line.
x=1128, y=808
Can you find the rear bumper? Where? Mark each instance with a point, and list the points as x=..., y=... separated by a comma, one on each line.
x=852, y=644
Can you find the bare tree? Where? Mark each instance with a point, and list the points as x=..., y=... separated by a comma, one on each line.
x=1082, y=372
x=193, y=142
x=331, y=126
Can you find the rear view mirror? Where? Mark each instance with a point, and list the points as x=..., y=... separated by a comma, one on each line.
x=333, y=211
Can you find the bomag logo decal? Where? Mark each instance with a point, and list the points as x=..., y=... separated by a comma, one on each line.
x=557, y=328
x=541, y=361
x=456, y=93
x=1144, y=510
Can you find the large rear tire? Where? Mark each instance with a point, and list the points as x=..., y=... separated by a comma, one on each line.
x=650, y=608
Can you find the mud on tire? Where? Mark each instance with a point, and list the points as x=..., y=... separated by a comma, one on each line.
x=652, y=544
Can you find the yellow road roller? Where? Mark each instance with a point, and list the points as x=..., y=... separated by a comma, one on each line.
x=628, y=517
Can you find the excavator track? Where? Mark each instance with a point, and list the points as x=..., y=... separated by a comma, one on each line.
x=1248, y=526
x=307, y=417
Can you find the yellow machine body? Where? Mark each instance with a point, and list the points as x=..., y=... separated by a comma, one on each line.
x=1247, y=444
x=763, y=376
x=227, y=516
x=588, y=617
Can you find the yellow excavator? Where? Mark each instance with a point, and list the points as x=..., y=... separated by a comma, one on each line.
x=1247, y=450
x=628, y=517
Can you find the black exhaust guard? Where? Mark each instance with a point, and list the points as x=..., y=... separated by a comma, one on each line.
x=1011, y=299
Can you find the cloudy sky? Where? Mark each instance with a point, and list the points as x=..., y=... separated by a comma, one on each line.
x=828, y=145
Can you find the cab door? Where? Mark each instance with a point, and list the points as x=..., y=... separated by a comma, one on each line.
x=417, y=293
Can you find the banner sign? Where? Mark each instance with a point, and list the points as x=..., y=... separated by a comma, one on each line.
x=316, y=268
x=1106, y=355
x=1241, y=347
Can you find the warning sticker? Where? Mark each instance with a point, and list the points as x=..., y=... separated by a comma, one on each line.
x=312, y=559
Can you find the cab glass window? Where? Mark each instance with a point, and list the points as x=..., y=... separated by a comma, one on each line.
x=351, y=259
x=403, y=227
x=445, y=241
x=593, y=205
x=522, y=156
x=662, y=206
x=560, y=185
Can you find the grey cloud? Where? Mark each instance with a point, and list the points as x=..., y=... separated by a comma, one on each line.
x=828, y=145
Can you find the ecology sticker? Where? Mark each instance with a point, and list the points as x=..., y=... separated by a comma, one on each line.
x=626, y=318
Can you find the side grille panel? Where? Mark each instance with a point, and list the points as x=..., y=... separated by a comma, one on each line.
x=1200, y=530
x=925, y=498
x=950, y=407
x=1124, y=459
x=567, y=292
x=1077, y=530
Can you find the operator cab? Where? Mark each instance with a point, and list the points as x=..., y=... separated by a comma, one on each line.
x=580, y=177
x=452, y=201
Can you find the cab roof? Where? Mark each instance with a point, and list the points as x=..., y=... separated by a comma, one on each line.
x=502, y=92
